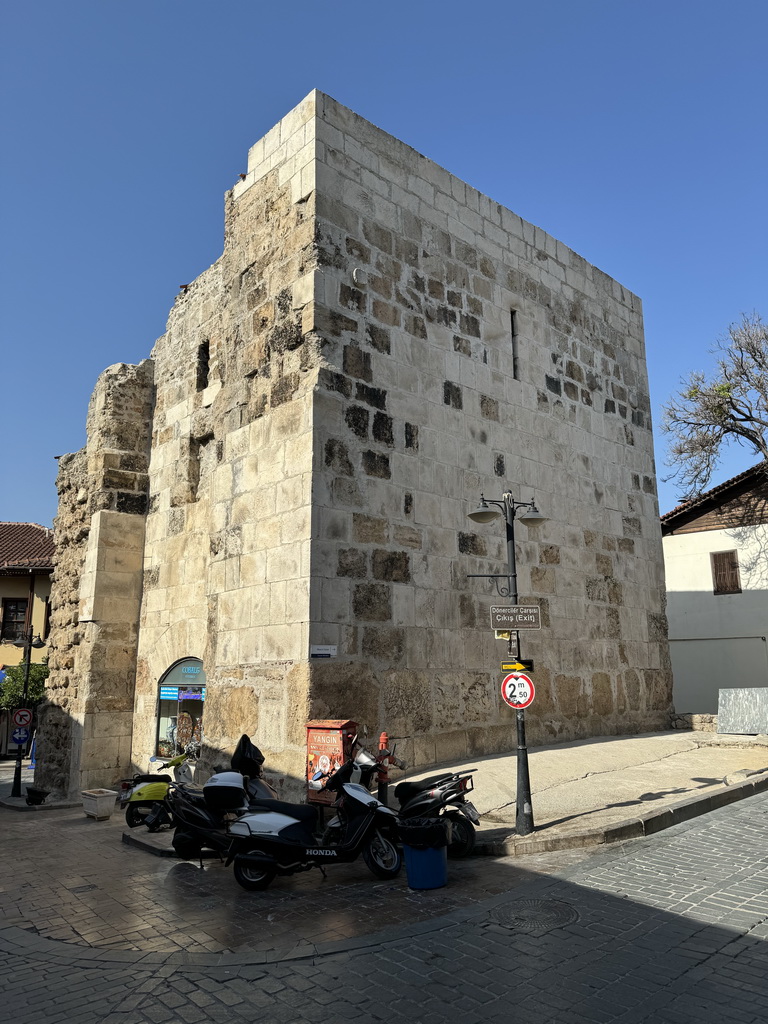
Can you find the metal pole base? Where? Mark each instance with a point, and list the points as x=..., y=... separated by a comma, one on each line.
x=16, y=790
x=524, y=807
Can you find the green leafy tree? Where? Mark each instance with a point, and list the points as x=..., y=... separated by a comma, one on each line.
x=731, y=405
x=12, y=687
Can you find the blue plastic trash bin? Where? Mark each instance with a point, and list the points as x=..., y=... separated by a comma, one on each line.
x=425, y=849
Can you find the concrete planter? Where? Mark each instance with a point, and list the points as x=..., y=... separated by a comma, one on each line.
x=99, y=803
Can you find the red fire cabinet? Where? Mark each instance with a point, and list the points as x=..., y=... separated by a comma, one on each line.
x=329, y=744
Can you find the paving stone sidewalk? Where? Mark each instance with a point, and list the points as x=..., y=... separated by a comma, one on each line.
x=669, y=929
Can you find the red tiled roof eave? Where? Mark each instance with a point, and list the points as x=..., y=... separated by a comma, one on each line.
x=25, y=547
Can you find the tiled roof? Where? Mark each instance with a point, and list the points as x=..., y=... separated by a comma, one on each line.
x=747, y=477
x=25, y=546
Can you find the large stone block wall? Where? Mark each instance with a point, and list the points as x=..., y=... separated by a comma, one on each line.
x=468, y=351
x=377, y=345
x=84, y=738
x=227, y=558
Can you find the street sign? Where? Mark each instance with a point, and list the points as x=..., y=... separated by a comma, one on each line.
x=22, y=717
x=522, y=665
x=20, y=735
x=515, y=616
x=518, y=690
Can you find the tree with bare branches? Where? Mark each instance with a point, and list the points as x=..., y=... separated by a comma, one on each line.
x=731, y=405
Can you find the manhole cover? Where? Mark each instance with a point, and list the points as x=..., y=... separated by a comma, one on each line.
x=535, y=917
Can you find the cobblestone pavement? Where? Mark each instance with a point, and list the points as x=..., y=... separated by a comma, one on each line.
x=670, y=929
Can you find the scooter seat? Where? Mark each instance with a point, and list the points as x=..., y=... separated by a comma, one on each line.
x=304, y=813
x=151, y=778
x=405, y=791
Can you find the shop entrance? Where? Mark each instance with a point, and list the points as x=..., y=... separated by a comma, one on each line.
x=180, y=709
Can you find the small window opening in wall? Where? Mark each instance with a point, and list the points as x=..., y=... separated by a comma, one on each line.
x=725, y=572
x=513, y=334
x=203, y=365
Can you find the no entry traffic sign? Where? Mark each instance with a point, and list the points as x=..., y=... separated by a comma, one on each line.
x=518, y=690
x=22, y=717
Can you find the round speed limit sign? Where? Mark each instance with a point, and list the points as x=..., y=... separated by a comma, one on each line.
x=518, y=690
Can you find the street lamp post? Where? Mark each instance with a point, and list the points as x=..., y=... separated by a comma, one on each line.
x=27, y=641
x=488, y=510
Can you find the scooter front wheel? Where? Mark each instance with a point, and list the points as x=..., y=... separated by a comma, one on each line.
x=382, y=857
x=251, y=877
x=462, y=836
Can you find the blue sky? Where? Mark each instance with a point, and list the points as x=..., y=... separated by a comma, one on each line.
x=635, y=132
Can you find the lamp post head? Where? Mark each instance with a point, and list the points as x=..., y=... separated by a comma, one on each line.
x=532, y=515
x=484, y=513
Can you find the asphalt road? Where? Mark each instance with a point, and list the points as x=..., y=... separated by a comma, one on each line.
x=669, y=929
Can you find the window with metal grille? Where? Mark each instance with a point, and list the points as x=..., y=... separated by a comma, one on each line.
x=725, y=572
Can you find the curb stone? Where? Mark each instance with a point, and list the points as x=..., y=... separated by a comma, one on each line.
x=510, y=845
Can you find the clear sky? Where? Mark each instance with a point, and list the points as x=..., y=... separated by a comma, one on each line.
x=633, y=130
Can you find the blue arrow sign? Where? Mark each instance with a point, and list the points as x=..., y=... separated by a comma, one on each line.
x=20, y=735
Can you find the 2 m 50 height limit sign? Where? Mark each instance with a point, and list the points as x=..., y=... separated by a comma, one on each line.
x=518, y=690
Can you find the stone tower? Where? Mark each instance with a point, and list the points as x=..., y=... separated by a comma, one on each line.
x=378, y=344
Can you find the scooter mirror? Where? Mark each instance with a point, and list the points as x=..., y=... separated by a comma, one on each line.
x=317, y=775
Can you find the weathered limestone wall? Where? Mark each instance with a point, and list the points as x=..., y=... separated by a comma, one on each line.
x=228, y=532
x=377, y=345
x=84, y=739
x=469, y=352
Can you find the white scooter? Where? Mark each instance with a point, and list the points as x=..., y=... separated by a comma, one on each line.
x=278, y=838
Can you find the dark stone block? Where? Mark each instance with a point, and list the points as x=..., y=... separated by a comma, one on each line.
x=472, y=544
x=377, y=397
x=133, y=504
x=462, y=345
x=352, y=562
x=378, y=337
x=415, y=326
x=407, y=503
x=357, y=363
x=372, y=602
x=393, y=566
x=382, y=429
x=357, y=419
x=376, y=465
x=553, y=384
x=469, y=325
x=489, y=408
x=412, y=436
x=335, y=382
x=337, y=457
x=351, y=298
x=452, y=395
x=499, y=465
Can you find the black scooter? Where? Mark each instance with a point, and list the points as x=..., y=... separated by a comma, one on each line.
x=443, y=795
x=202, y=814
x=278, y=838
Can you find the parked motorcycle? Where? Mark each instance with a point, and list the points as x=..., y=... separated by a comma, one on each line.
x=278, y=838
x=202, y=813
x=443, y=795
x=145, y=793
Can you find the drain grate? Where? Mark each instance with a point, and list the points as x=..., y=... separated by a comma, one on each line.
x=82, y=888
x=534, y=917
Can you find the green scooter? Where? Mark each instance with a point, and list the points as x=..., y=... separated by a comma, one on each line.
x=143, y=793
